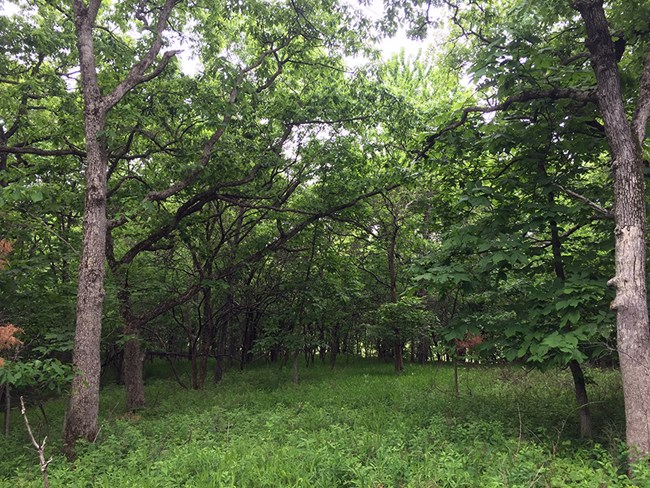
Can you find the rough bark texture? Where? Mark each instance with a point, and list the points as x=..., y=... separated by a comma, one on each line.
x=83, y=409
x=633, y=334
x=84, y=400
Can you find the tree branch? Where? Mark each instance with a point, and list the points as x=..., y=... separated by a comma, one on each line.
x=40, y=448
x=137, y=73
x=552, y=94
x=41, y=152
x=640, y=119
x=577, y=196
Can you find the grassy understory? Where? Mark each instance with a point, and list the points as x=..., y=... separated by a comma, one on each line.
x=357, y=425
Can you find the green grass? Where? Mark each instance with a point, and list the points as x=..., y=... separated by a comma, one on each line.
x=358, y=425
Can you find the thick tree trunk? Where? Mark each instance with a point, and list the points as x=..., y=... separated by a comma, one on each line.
x=633, y=332
x=84, y=400
x=132, y=357
x=399, y=358
x=83, y=409
x=423, y=352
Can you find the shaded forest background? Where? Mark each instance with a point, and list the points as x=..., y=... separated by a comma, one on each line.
x=282, y=204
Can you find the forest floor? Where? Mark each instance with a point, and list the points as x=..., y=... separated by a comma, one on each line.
x=356, y=425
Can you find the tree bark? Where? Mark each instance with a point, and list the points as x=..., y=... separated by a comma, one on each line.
x=630, y=303
x=84, y=401
x=83, y=409
x=134, y=371
x=132, y=357
x=586, y=429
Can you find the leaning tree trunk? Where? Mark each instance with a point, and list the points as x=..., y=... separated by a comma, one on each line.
x=630, y=303
x=586, y=425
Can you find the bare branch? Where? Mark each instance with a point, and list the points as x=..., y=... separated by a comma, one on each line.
x=40, y=448
x=577, y=196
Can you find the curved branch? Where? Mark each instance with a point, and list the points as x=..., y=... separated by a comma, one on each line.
x=137, y=74
x=584, y=96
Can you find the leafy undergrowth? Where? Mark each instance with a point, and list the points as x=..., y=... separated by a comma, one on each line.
x=358, y=425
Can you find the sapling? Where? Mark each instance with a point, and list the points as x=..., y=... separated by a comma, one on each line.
x=40, y=448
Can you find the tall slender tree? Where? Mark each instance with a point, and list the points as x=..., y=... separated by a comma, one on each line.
x=83, y=410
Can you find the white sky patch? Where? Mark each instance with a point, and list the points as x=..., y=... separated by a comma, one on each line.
x=389, y=47
x=8, y=9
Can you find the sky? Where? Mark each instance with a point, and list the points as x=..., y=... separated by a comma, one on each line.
x=374, y=10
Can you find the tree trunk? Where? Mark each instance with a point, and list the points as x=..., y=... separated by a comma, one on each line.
x=296, y=355
x=83, y=409
x=586, y=430
x=207, y=336
x=423, y=351
x=399, y=358
x=133, y=358
x=630, y=303
x=392, y=277
x=7, y=396
x=84, y=400
x=219, y=367
x=334, y=346
x=133, y=371
x=456, y=390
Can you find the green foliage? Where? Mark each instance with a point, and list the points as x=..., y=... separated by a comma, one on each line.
x=49, y=375
x=404, y=320
x=356, y=426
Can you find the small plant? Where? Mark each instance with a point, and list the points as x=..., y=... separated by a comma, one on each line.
x=40, y=448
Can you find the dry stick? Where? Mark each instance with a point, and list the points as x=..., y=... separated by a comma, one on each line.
x=40, y=448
